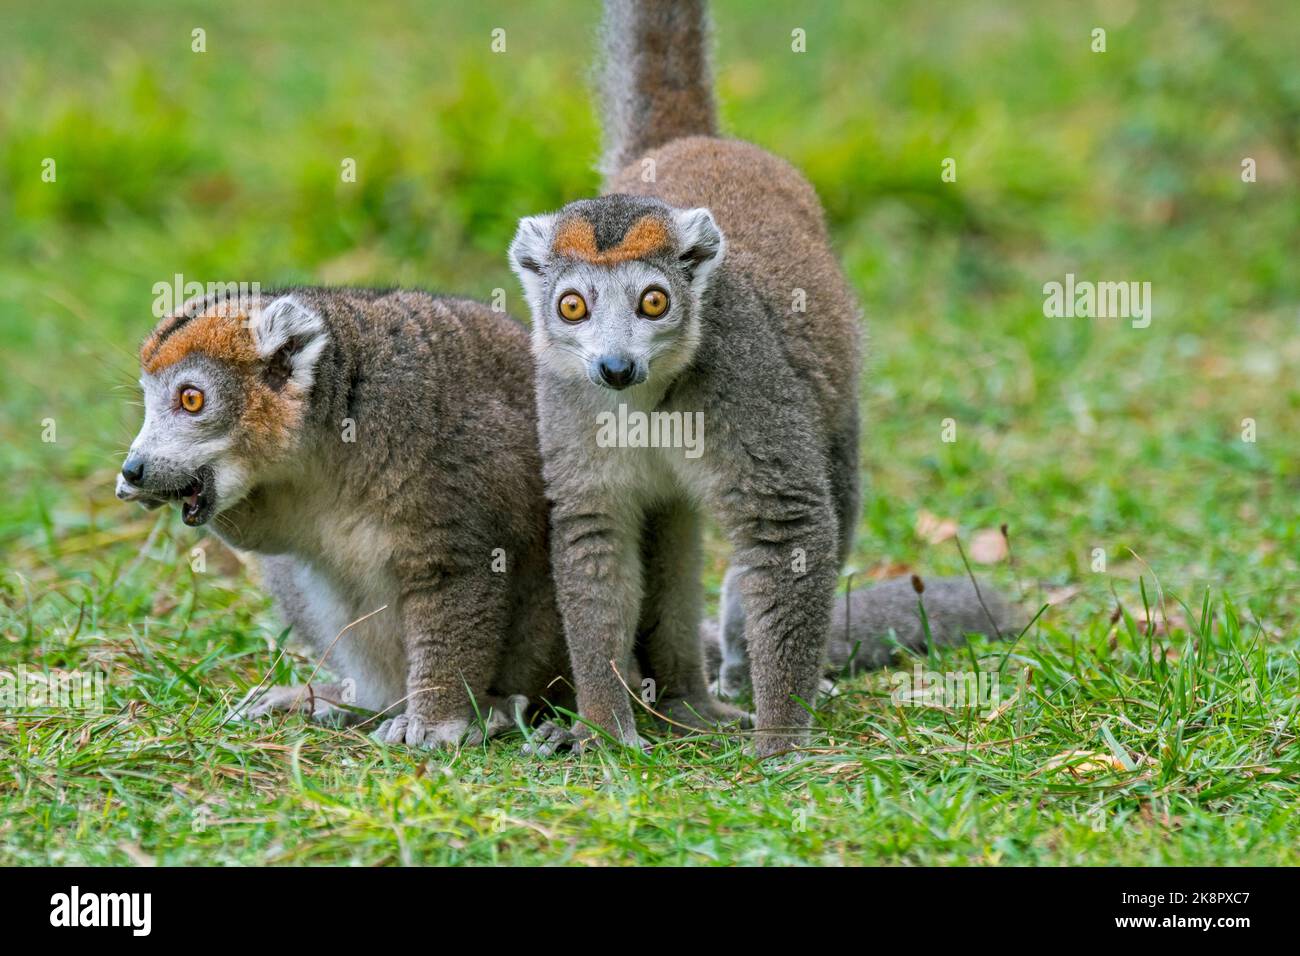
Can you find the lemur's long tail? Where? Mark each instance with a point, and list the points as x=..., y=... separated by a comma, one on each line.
x=656, y=85
x=867, y=626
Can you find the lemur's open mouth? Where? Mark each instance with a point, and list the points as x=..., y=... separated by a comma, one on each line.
x=196, y=498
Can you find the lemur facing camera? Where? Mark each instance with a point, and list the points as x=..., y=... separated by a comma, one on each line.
x=377, y=450
x=701, y=282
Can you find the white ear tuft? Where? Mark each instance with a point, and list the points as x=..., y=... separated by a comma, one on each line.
x=701, y=245
x=290, y=337
x=530, y=251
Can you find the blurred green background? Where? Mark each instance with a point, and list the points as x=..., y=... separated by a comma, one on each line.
x=1122, y=165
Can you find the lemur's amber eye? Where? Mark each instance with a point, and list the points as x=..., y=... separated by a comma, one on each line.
x=572, y=307
x=191, y=399
x=654, y=302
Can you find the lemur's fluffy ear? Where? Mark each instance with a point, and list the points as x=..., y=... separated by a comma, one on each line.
x=701, y=246
x=530, y=250
x=290, y=338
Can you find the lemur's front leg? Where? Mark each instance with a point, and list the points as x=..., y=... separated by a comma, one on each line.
x=670, y=621
x=597, y=566
x=784, y=532
x=454, y=625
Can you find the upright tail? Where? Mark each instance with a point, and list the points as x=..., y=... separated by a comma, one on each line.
x=656, y=85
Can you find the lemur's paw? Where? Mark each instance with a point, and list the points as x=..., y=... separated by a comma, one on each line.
x=391, y=731
x=787, y=746
x=452, y=732
x=321, y=703
x=702, y=714
x=416, y=732
x=552, y=738
x=549, y=739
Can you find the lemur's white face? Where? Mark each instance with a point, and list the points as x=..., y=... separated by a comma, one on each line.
x=626, y=314
x=184, y=450
x=224, y=395
x=613, y=323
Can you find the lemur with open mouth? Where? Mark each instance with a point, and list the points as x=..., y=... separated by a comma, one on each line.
x=701, y=281
x=379, y=450
x=376, y=450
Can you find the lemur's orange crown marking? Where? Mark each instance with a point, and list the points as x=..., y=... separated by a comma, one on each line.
x=576, y=237
x=221, y=332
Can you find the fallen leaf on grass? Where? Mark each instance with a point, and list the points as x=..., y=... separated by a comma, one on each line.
x=988, y=546
x=888, y=569
x=137, y=855
x=1081, y=762
x=934, y=529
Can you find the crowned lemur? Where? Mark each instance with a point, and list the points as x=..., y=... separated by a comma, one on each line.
x=702, y=283
x=378, y=451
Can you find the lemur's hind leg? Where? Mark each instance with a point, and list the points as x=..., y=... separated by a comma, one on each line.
x=733, y=679
x=333, y=704
x=454, y=622
x=733, y=673
x=669, y=625
x=327, y=704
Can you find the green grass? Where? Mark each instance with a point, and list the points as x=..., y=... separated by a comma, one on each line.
x=1079, y=434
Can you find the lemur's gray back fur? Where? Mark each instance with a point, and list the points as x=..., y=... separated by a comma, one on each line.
x=655, y=80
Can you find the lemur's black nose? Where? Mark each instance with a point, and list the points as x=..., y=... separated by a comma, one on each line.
x=133, y=469
x=616, y=372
